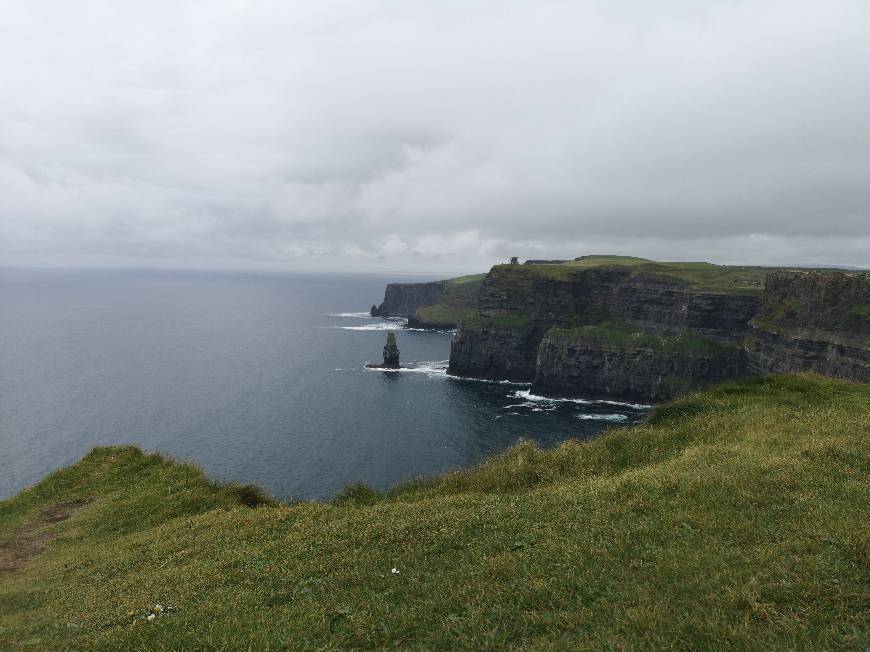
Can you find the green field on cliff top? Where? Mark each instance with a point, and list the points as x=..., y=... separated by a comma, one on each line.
x=704, y=276
x=737, y=517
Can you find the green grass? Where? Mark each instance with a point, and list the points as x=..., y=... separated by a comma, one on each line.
x=735, y=518
x=439, y=313
x=465, y=280
x=597, y=261
x=455, y=304
x=625, y=336
x=700, y=275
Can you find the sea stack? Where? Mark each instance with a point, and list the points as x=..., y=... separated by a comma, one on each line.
x=391, y=355
x=391, y=352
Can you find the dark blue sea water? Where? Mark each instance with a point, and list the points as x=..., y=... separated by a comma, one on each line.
x=255, y=377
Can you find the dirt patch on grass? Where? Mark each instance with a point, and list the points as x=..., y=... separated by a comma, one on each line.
x=32, y=538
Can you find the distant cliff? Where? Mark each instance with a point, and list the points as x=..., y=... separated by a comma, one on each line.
x=402, y=299
x=519, y=305
x=438, y=304
x=632, y=328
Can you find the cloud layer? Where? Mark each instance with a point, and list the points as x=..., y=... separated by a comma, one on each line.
x=433, y=135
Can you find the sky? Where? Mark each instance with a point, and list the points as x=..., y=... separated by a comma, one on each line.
x=437, y=137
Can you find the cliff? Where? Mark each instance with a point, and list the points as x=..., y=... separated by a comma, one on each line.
x=438, y=304
x=606, y=362
x=402, y=299
x=514, y=325
x=812, y=321
x=518, y=305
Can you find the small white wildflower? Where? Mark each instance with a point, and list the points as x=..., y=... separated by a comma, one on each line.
x=151, y=617
x=395, y=571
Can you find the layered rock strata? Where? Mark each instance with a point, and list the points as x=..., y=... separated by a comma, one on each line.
x=812, y=321
x=659, y=332
x=572, y=363
x=517, y=308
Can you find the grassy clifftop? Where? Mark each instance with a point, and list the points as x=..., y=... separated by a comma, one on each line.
x=735, y=517
x=700, y=275
x=455, y=304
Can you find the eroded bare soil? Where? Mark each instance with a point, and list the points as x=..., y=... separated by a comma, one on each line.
x=33, y=537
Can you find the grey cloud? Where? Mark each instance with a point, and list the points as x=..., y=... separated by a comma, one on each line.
x=434, y=136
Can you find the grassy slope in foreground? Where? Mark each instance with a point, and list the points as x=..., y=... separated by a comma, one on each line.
x=736, y=517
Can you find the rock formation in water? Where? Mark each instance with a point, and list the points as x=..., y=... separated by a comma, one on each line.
x=391, y=354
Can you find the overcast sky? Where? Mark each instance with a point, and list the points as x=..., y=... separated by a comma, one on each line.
x=433, y=136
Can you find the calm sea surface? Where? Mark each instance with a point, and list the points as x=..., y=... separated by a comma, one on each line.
x=255, y=377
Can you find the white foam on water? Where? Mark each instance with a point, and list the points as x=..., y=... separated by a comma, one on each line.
x=429, y=368
x=527, y=395
x=487, y=380
x=389, y=324
x=355, y=315
x=602, y=417
x=383, y=326
x=536, y=407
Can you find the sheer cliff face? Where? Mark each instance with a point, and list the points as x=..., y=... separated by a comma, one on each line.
x=498, y=351
x=578, y=366
x=403, y=299
x=518, y=306
x=812, y=321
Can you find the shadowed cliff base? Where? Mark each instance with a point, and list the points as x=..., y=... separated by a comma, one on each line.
x=737, y=514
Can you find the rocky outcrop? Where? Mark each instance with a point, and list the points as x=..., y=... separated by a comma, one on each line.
x=812, y=321
x=571, y=364
x=403, y=299
x=391, y=352
x=391, y=355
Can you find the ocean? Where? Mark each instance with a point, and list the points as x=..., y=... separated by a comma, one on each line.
x=255, y=377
